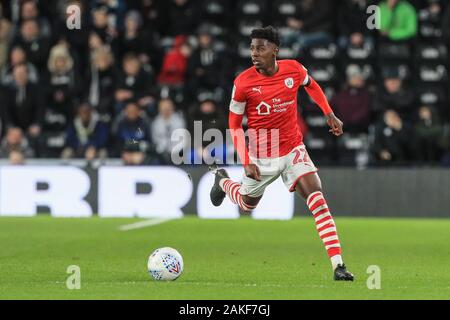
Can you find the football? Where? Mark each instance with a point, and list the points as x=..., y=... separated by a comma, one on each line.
x=165, y=264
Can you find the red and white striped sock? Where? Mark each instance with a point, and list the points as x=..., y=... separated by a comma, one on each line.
x=325, y=227
x=232, y=190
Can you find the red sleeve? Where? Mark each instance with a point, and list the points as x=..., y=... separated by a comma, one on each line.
x=238, y=136
x=237, y=111
x=316, y=93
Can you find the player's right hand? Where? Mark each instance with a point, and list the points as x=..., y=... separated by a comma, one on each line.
x=252, y=172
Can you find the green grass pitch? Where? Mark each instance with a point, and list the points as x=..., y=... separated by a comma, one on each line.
x=237, y=259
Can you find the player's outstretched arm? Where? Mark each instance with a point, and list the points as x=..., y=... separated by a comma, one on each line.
x=316, y=93
x=238, y=136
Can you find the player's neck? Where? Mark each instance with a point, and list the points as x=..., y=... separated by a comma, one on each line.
x=270, y=71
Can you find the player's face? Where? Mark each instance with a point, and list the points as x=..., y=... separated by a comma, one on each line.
x=263, y=53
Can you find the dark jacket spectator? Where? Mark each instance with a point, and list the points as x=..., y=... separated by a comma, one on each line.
x=205, y=64
x=135, y=83
x=101, y=83
x=132, y=135
x=210, y=117
x=102, y=26
x=17, y=56
x=394, y=94
x=446, y=26
x=392, y=141
x=87, y=136
x=63, y=86
x=429, y=133
x=30, y=10
x=313, y=25
x=15, y=141
x=180, y=17
x=35, y=45
x=5, y=37
x=139, y=40
x=352, y=22
x=317, y=15
x=23, y=104
x=353, y=104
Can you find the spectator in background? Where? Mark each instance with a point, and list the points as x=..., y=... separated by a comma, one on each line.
x=138, y=40
x=16, y=158
x=132, y=135
x=175, y=62
x=63, y=85
x=115, y=10
x=5, y=37
x=181, y=17
x=17, y=56
x=446, y=26
x=165, y=123
x=394, y=94
x=429, y=132
x=352, y=18
x=353, y=104
x=398, y=20
x=100, y=83
x=313, y=25
x=23, y=104
x=204, y=65
x=135, y=83
x=35, y=45
x=392, y=141
x=15, y=141
x=102, y=26
x=77, y=39
x=87, y=136
x=211, y=117
x=29, y=11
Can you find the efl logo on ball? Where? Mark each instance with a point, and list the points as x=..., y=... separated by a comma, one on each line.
x=165, y=264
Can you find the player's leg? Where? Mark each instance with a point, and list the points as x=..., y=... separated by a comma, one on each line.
x=246, y=195
x=309, y=187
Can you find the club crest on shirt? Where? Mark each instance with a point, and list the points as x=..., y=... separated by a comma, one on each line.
x=289, y=82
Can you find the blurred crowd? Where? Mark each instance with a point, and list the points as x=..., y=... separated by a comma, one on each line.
x=137, y=70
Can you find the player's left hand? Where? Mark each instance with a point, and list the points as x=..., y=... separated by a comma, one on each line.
x=335, y=124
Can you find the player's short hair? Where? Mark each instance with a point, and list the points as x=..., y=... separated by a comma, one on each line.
x=269, y=33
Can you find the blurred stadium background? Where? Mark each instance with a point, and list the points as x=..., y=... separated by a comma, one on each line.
x=73, y=145
x=113, y=91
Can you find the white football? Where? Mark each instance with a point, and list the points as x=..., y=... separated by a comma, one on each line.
x=165, y=264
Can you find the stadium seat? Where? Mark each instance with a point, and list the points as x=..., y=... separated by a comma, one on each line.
x=216, y=11
x=394, y=51
x=281, y=10
x=323, y=72
x=52, y=144
x=256, y=9
x=364, y=53
x=432, y=52
x=245, y=26
x=368, y=70
x=435, y=73
x=352, y=149
x=320, y=53
x=432, y=94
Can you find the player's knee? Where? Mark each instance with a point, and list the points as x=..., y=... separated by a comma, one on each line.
x=248, y=203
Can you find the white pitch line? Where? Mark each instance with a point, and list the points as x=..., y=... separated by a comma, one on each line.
x=144, y=224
